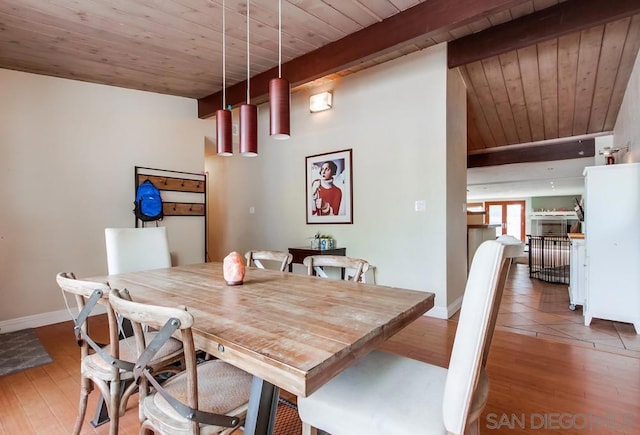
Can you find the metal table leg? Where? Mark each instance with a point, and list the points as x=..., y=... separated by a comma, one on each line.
x=263, y=403
x=102, y=416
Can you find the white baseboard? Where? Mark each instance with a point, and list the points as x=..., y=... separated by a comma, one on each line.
x=437, y=312
x=42, y=319
x=445, y=313
x=454, y=307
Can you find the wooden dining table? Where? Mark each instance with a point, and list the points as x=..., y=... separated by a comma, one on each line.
x=290, y=331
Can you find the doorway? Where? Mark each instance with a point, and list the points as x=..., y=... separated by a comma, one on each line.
x=509, y=215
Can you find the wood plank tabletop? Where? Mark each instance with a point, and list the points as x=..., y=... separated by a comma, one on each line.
x=292, y=330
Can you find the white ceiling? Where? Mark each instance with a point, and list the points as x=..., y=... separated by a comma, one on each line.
x=525, y=180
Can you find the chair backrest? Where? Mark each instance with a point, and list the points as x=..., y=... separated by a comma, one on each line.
x=315, y=263
x=156, y=317
x=83, y=291
x=473, y=328
x=513, y=248
x=136, y=249
x=170, y=321
x=257, y=257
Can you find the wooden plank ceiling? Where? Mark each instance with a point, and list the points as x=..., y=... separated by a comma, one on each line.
x=569, y=85
x=535, y=70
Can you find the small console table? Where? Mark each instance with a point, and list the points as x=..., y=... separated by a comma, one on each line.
x=299, y=254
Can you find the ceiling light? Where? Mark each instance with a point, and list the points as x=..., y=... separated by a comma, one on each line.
x=248, y=113
x=224, y=129
x=224, y=141
x=320, y=102
x=279, y=94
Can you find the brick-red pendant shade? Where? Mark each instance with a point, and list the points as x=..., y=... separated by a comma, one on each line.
x=224, y=138
x=279, y=108
x=249, y=130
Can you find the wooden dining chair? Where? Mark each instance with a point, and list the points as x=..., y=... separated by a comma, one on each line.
x=315, y=264
x=109, y=367
x=211, y=397
x=136, y=249
x=384, y=393
x=255, y=258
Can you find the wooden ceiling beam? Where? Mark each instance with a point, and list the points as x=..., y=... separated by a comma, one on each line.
x=426, y=18
x=573, y=149
x=564, y=18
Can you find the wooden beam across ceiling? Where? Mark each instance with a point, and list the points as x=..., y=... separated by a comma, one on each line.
x=562, y=19
x=424, y=19
x=573, y=149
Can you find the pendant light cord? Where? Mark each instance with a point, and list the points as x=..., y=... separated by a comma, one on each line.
x=248, y=69
x=224, y=56
x=279, y=39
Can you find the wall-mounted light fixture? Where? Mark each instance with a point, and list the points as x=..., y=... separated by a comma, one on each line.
x=609, y=153
x=320, y=102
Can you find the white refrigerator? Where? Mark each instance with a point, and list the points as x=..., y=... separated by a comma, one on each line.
x=612, y=238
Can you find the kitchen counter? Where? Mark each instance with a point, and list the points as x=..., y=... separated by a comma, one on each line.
x=476, y=234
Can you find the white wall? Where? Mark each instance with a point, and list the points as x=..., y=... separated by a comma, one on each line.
x=393, y=116
x=68, y=150
x=626, y=131
x=456, y=184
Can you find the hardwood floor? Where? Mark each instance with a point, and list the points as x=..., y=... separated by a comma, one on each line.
x=546, y=378
x=534, y=307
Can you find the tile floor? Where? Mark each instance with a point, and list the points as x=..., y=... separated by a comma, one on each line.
x=531, y=306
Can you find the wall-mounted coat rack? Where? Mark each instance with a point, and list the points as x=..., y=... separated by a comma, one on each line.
x=189, y=185
x=175, y=184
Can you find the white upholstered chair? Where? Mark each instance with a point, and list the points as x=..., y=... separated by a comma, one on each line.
x=136, y=249
x=256, y=258
x=357, y=266
x=513, y=248
x=207, y=398
x=384, y=393
x=107, y=367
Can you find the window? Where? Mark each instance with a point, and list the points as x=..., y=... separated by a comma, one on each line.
x=509, y=215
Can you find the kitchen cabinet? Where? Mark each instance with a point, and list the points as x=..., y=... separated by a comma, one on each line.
x=612, y=242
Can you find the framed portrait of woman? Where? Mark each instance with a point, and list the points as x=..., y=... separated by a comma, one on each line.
x=329, y=188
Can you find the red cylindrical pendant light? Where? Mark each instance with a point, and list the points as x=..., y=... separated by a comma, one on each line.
x=249, y=130
x=248, y=113
x=224, y=140
x=224, y=128
x=279, y=94
x=279, y=108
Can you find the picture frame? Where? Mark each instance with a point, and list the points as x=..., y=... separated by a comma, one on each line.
x=329, y=196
